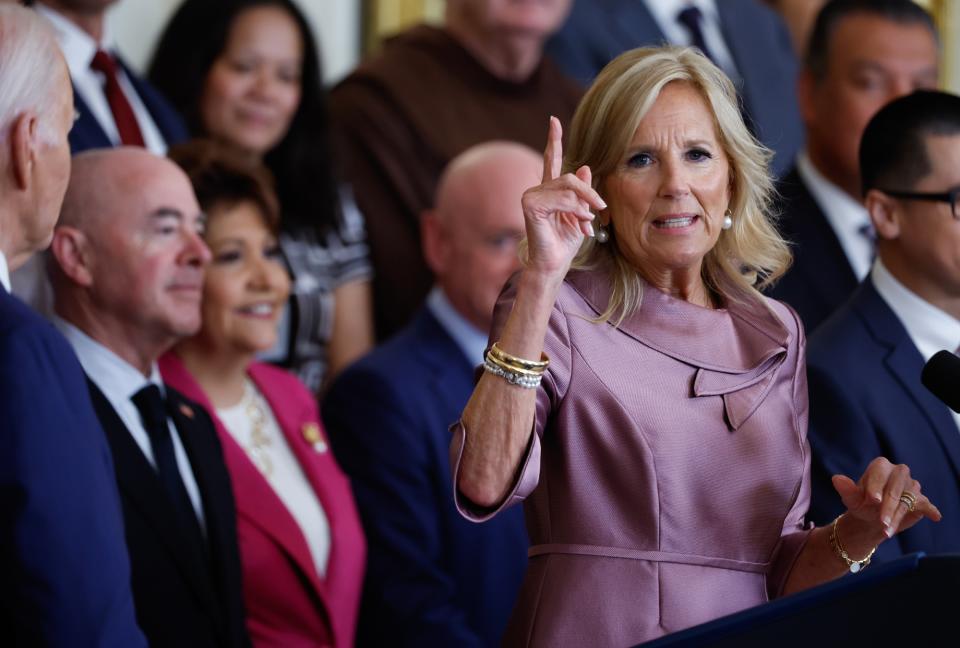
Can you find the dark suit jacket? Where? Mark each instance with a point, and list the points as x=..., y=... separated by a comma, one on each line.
x=433, y=578
x=88, y=134
x=597, y=31
x=821, y=278
x=63, y=562
x=182, y=597
x=866, y=400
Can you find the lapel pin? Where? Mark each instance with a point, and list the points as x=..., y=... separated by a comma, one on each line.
x=312, y=435
x=186, y=410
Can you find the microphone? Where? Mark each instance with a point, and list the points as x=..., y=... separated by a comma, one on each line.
x=941, y=375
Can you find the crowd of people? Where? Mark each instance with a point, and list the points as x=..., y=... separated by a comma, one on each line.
x=277, y=365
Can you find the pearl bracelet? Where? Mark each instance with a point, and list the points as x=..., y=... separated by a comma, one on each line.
x=520, y=380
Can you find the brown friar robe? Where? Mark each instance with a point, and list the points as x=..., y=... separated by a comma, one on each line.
x=401, y=117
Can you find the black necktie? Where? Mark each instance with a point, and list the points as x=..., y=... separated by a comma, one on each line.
x=153, y=414
x=691, y=18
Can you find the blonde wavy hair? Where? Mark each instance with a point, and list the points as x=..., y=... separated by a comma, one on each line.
x=747, y=257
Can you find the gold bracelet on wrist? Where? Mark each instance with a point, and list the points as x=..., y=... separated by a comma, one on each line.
x=853, y=565
x=491, y=358
x=537, y=366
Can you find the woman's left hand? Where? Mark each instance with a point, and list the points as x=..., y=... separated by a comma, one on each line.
x=881, y=499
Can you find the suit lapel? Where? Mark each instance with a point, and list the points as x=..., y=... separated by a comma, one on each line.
x=138, y=481
x=444, y=359
x=738, y=35
x=162, y=114
x=87, y=133
x=201, y=455
x=826, y=266
x=274, y=518
x=905, y=364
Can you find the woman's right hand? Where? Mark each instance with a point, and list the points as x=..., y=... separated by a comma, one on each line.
x=557, y=211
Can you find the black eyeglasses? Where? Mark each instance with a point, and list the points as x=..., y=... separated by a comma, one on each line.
x=951, y=197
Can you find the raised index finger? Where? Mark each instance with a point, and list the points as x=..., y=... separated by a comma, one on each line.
x=553, y=153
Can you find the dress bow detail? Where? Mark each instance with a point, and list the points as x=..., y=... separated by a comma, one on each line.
x=742, y=392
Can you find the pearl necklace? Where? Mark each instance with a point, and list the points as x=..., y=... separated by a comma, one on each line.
x=259, y=443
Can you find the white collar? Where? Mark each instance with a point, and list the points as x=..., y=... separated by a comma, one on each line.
x=471, y=340
x=845, y=215
x=4, y=271
x=117, y=379
x=77, y=45
x=665, y=11
x=930, y=328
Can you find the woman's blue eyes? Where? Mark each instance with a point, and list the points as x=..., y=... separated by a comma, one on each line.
x=640, y=160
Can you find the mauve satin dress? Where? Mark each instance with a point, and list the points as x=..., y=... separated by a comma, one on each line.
x=668, y=479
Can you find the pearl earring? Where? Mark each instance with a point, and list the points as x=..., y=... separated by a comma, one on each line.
x=727, y=221
x=602, y=235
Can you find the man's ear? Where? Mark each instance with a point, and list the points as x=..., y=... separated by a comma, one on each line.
x=24, y=138
x=884, y=213
x=71, y=252
x=431, y=236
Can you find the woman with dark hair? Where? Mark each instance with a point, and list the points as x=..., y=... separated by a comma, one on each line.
x=301, y=544
x=247, y=73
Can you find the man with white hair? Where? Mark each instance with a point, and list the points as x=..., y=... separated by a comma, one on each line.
x=63, y=561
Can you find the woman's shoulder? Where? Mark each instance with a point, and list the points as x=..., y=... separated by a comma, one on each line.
x=786, y=314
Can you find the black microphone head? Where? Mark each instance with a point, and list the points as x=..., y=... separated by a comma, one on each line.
x=941, y=375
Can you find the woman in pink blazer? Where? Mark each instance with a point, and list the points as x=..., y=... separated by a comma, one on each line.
x=301, y=543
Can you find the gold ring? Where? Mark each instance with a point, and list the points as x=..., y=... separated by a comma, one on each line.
x=909, y=500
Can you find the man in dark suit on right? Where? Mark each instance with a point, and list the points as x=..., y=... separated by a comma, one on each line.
x=861, y=55
x=864, y=363
x=127, y=272
x=433, y=578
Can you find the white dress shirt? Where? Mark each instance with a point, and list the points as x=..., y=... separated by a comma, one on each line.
x=665, y=14
x=286, y=475
x=4, y=272
x=119, y=381
x=471, y=340
x=930, y=329
x=79, y=49
x=846, y=216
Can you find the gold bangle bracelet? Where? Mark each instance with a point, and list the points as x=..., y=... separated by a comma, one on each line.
x=520, y=363
x=853, y=565
x=506, y=366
